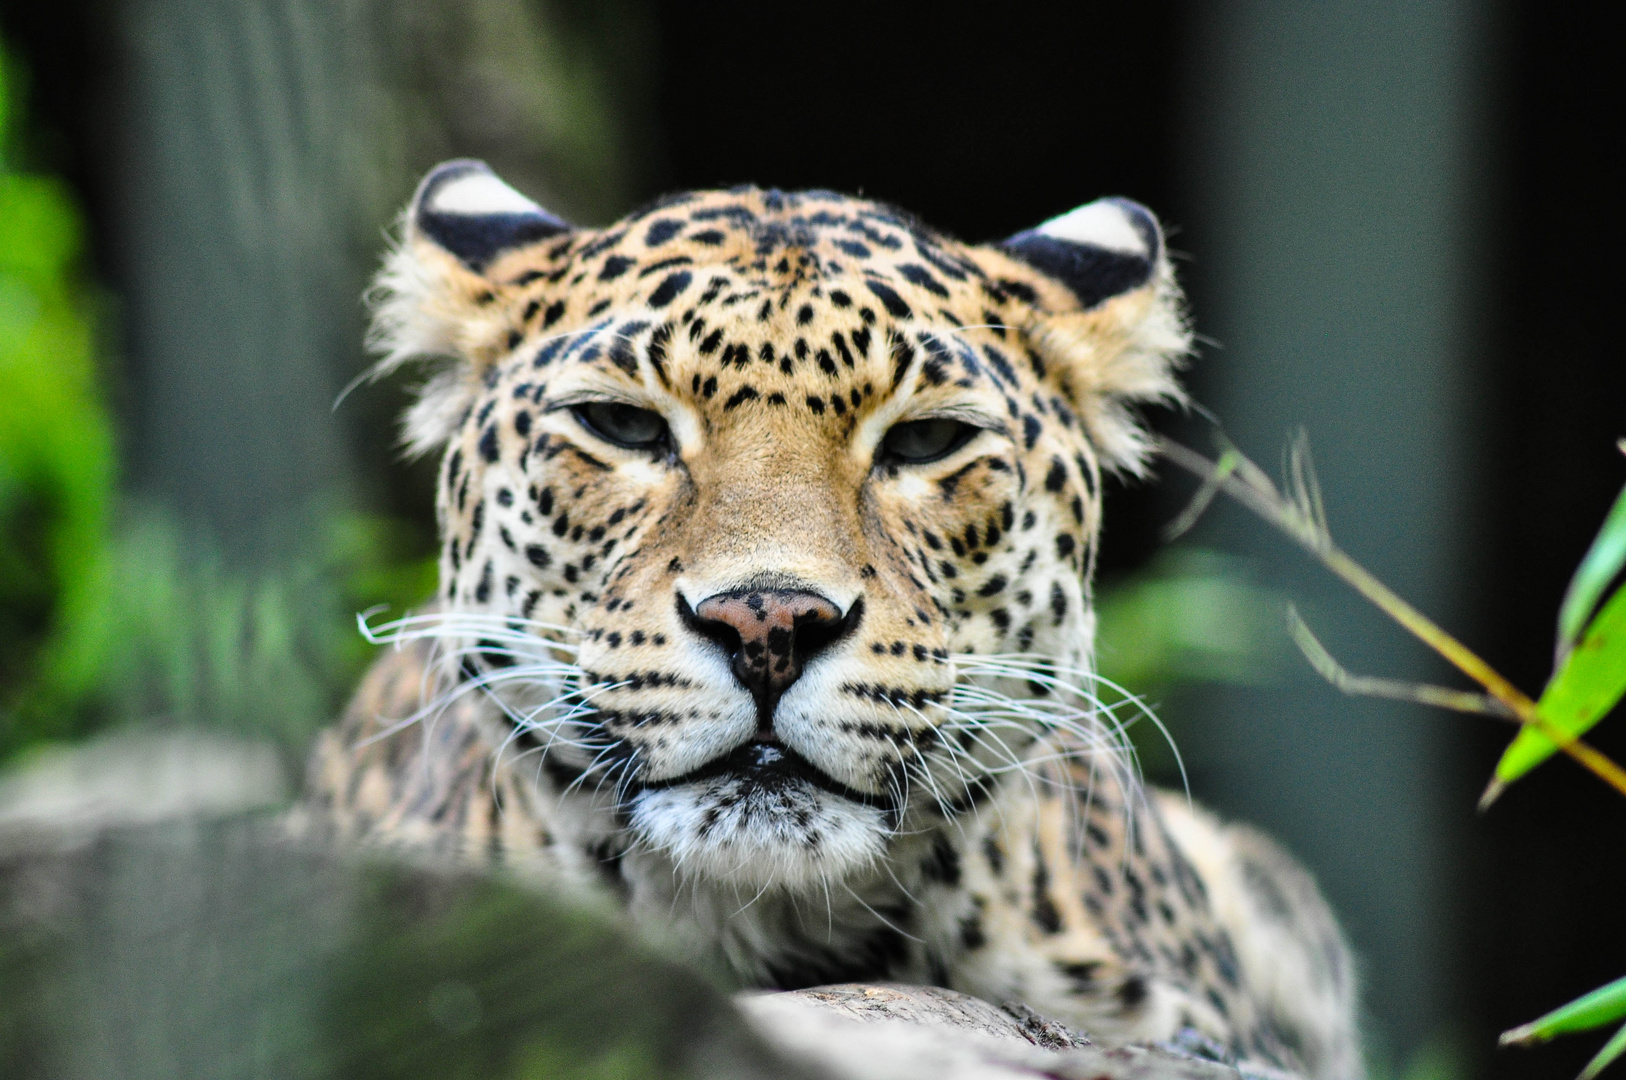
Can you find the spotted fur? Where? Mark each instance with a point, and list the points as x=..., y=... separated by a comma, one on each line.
x=932, y=795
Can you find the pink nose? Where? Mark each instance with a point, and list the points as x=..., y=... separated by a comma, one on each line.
x=771, y=635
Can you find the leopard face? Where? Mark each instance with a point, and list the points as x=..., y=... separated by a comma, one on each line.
x=743, y=497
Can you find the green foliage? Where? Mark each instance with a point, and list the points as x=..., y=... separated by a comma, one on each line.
x=1606, y=1056
x=1590, y=677
x=1591, y=674
x=1438, y=1059
x=1605, y=1005
x=270, y=654
x=1601, y=565
x=1192, y=615
x=182, y=637
x=112, y=618
x=56, y=442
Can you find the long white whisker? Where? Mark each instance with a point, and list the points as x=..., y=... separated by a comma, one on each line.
x=878, y=916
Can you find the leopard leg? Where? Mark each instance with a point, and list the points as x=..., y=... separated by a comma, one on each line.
x=1288, y=943
x=401, y=770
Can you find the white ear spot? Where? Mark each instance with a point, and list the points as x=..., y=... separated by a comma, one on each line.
x=1100, y=250
x=1110, y=224
x=468, y=211
x=475, y=192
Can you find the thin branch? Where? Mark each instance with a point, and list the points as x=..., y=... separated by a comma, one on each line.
x=1394, y=689
x=1300, y=520
x=1181, y=525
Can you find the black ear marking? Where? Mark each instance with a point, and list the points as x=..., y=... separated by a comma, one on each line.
x=1099, y=250
x=464, y=208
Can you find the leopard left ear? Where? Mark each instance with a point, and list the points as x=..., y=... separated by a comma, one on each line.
x=1114, y=335
x=1099, y=250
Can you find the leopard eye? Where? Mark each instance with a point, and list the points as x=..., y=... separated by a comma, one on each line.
x=624, y=425
x=921, y=441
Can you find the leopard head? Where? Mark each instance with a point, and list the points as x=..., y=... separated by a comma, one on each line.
x=756, y=506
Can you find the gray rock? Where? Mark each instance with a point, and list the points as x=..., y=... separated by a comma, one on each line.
x=158, y=919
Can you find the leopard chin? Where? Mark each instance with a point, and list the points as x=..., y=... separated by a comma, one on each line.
x=761, y=818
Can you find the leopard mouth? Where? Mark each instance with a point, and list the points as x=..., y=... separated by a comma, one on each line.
x=769, y=766
x=761, y=816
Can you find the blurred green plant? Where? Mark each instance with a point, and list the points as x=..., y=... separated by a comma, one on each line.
x=181, y=637
x=1441, y=1058
x=1192, y=615
x=188, y=639
x=111, y=615
x=1588, y=680
x=56, y=444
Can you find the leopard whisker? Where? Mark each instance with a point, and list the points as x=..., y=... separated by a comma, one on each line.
x=748, y=904
x=882, y=919
x=1083, y=739
x=1126, y=700
x=1043, y=710
x=434, y=703
x=609, y=767
x=982, y=733
x=924, y=763
x=913, y=899
x=440, y=625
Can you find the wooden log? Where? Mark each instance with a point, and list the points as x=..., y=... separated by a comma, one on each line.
x=152, y=924
x=889, y=1032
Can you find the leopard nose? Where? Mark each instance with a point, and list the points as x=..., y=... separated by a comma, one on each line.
x=770, y=635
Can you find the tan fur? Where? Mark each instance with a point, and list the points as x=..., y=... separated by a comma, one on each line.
x=959, y=815
x=1285, y=935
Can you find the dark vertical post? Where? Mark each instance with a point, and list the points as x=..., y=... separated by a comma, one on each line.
x=231, y=234
x=1334, y=166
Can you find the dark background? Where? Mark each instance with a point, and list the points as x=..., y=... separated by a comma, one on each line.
x=1476, y=135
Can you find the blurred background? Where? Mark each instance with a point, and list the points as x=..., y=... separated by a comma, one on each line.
x=1394, y=220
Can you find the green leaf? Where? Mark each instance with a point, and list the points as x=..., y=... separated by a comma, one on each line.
x=1598, y=568
x=1611, y=1050
x=1582, y=691
x=1602, y=1006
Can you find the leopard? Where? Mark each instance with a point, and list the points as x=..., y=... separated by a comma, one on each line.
x=768, y=529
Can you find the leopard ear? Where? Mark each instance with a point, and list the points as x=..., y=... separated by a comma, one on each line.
x=466, y=210
x=1099, y=250
x=1116, y=332
x=433, y=297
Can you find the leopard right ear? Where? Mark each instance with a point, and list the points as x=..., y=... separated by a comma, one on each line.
x=1115, y=339
x=433, y=298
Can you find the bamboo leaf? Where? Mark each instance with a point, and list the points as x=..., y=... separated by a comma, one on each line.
x=1600, y=565
x=1590, y=682
x=1604, y=1005
x=1611, y=1050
